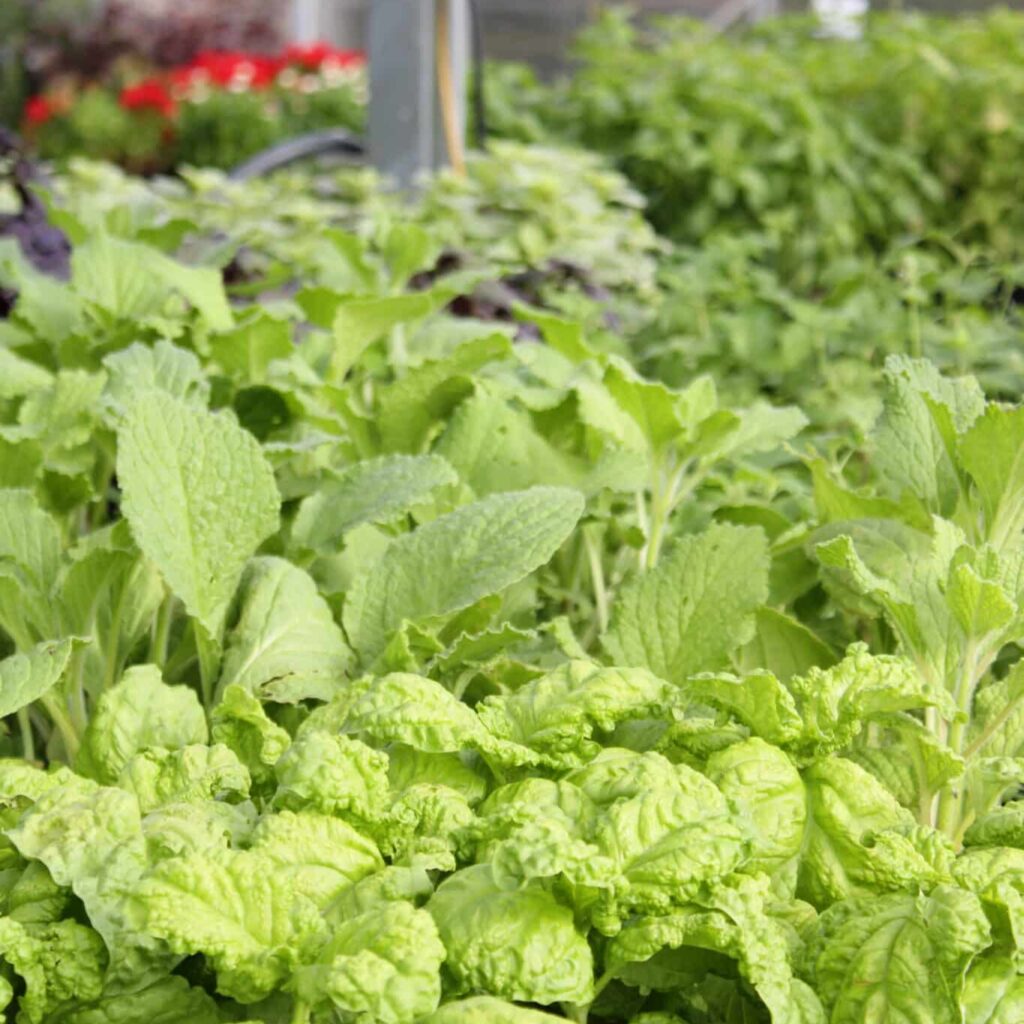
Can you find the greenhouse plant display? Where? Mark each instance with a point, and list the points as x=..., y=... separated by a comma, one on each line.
x=470, y=607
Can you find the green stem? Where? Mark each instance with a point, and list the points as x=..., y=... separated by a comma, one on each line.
x=79, y=712
x=301, y=1012
x=162, y=631
x=63, y=723
x=28, y=745
x=209, y=662
x=597, y=579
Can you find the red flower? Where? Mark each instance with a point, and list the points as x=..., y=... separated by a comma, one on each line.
x=225, y=68
x=150, y=94
x=39, y=110
x=313, y=56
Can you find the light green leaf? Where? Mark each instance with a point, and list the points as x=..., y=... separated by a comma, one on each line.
x=321, y=855
x=199, y=496
x=519, y=945
x=488, y=1010
x=27, y=677
x=61, y=964
x=758, y=700
x=334, y=775
x=240, y=723
x=770, y=802
x=494, y=447
x=409, y=407
x=844, y=804
x=696, y=607
x=285, y=646
x=190, y=773
x=374, y=491
x=171, y=1000
x=139, y=713
x=382, y=966
x=992, y=451
x=161, y=367
x=994, y=992
x=361, y=322
x=450, y=563
x=784, y=646
x=557, y=714
x=908, y=954
x=236, y=910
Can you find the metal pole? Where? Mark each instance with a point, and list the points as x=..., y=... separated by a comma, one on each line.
x=406, y=133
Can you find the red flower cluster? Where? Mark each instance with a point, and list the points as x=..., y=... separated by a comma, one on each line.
x=39, y=110
x=315, y=56
x=150, y=94
x=222, y=69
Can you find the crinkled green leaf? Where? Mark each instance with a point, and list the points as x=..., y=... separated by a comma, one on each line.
x=519, y=944
x=334, y=775
x=908, y=954
x=557, y=715
x=382, y=966
x=321, y=855
x=139, y=713
x=159, y=776
x=236, y=909
x=240, y=723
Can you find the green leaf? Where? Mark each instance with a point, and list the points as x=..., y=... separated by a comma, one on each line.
x=758, y=700
x=519, y=944
x=27, y=677
x=784, y=646
x=494, y=447
x=844, y=805
x=285, y=646
x=321, y=855
x=452, y=562
x=333, y=775
x=770, y=802
x=162, y=367
x=170, y=1000
x=409, y=407
x=697, y=606
x=236, y=910
x=374, y=491
x=358, y=324
x=240, y=723
x=132, y=281
x=488, y=1010
x=139, y=713
x=382, y=966
x=557, y=714
x=199, y=496
x=994, y=992
x=191, y=773
x=61, y=963
x=907, y=953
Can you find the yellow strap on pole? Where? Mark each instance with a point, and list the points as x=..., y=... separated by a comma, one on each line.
x=446, y=89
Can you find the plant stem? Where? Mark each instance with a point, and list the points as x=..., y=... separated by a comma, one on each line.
x=209, y=662
x=28, y=745
x=63, y=723
x=300, y=1012
x=597, y=579
x=161, y=631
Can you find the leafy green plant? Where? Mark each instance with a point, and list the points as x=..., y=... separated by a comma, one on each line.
x=365, y=661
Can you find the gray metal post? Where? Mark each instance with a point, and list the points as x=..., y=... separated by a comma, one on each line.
x=405, y=129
